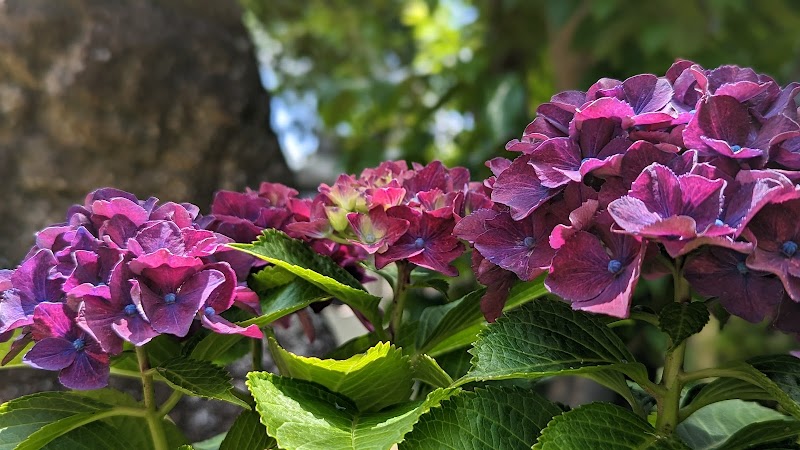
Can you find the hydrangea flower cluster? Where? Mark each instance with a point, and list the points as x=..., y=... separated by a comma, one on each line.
x=118, y=270
x=693, y=171
x=396, y=213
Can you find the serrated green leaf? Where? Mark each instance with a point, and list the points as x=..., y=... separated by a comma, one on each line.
x=373, y=380
x=548, y=337
x=603, y=426
x=95, y=436
x=520, y=294
x=727, y=389
x=438, y=284
x=303, y=415
x=275, y=303
x=200, y=379
x=777, y=375
x=270, y=277
x=442, y=321
x=296, y=257
x=427, y=370
x=284, y=300
x=710, y=427
x=486, y=419
x=22, y=417
x=681, y=320
x=757, y=435
x=247, y=433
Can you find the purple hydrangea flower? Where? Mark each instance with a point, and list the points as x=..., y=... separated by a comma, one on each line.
x=61, y=345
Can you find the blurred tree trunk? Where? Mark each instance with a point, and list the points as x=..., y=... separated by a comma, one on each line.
x=158, y=97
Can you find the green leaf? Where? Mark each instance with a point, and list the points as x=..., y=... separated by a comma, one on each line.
x=247, y=433
x=467, y=332
x=200, y=379
x=98, y=436
x=548, y=337
x=303, y=415
x=23, y=417
x=486, y=419
x=762, y=433
x=427, y=370
x=296, y=257
x=777, y=375
x=681, y=320
x=710, y=427
x=725, y=389
x=442, y=321
x=16, y=361
x=275, y=303
x=284, y=300
x=603, y=426
x=270, y=277
x=373, y=380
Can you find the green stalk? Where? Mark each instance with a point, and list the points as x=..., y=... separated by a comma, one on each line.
x=258, y=354
x=154, y=419
x=672, y=377
x=404, y=269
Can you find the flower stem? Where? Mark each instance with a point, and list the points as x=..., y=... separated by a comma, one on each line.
x=404, y=269
x=154, y=420
x=672, y=377
x=258, y=354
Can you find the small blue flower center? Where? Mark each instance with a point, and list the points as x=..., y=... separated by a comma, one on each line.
x=528, y=242
x=78, y=344
x=170, y=298
x=719, y=223
x=419, y=242
x=736, y=148
x=789, y=248
x=130, y=309
x=584, y=160
x=614, y=266
x=742, y=268
x=209, y=311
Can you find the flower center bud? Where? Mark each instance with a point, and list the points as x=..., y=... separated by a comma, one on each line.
x=130, y=309
x=736, y=148
x=789, y=248
x=719, y=223
x=419, y=242
x=584, y=160
x=528, y=242
x=78, y=344
x=170, y=298
x=614, y=266
x=209, y=311
x=742, y=268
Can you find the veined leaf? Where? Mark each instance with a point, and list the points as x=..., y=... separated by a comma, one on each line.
x=373, y=380
x=247, y=433
x=303, y=415
x=486, y=419
x=710, y=427
x=296, y=257
x=427, y=370
x=681, y=320
x=603, y=426
x=200, y=379
x=548, y=337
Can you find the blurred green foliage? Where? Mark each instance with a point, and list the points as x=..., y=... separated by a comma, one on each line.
x=455, y=79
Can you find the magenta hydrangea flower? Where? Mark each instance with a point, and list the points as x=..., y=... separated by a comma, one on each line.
x=692, y=167
x=61, y=345
x=108, y=275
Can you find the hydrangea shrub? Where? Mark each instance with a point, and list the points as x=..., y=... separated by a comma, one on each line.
x=690, y=176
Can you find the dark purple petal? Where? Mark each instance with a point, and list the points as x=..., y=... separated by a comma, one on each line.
x=722, y=273
x=54, y=353
x=721, y=118
x=165, y=270
x=579, y=270
x=519, y=188
x=522, y=247
x=647, y=93
x=90, y=370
